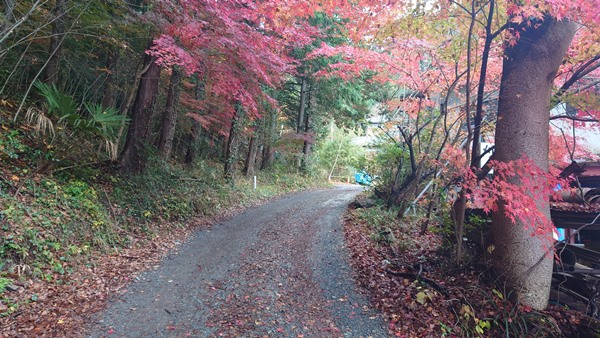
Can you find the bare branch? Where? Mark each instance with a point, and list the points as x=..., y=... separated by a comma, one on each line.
x=587, y=86
x=8, y=31
x=582, y=71
x=573, y=118
x=500, y=30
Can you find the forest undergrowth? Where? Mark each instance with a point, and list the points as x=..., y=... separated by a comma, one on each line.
x=75, y=232
x=410, y=276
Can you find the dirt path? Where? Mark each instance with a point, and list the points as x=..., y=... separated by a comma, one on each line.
x=279, y=270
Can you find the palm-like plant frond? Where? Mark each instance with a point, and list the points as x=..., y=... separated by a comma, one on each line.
x=41, y=123
x=63, y=111
x=57, y=103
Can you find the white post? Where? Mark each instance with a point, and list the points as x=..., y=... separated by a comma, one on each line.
x=254, y=182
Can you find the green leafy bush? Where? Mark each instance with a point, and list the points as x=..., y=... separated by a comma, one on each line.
x=338, y=156
x=388, y=160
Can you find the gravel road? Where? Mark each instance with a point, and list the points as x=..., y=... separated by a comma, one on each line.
x=278, y=270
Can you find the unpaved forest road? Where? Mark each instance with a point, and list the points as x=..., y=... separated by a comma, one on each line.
x=278, y=270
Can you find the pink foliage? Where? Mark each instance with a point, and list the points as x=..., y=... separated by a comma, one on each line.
x=520, y=186
x=169, y=54
x=587, y=11
x=239, y=47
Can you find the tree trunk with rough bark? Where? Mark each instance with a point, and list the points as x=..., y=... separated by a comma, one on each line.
x=251, y=158
x=302, y=116
x=58, y=31
x=308, y=128
x=169, y=118
x=307, y=148
x=302, y=105
x=529, y=68
x=267, y=157
x=267, y=151
x=232, y=148
x=141, y=69
x=192, y=146
x=134, y=155
x=192, y=139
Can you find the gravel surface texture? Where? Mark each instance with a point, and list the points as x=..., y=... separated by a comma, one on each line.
x=278, y=270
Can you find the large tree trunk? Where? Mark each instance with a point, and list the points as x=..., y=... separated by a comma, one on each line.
x=251, y=158
x=307, y=148
x=529, y=68
x=125, y=106
x=192, y=144
x=302, y=105
x=267, y=151
x=169, y=118
x=267, y=157
x=134, y=155
x=302, y=116
x=58, y=31
x=232, y=148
